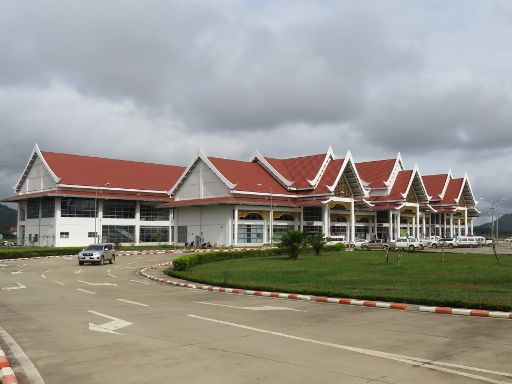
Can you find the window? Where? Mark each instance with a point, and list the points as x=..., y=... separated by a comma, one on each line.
x=36, y=238
x=338, y=230
x=280, y=229
x=119, y=209
x=182, y=233
x=118, y=233
x=312, y=213
x=252, y=216
x=75, y=207
x=285, y=217
x=248, y=233
x=22, y=212
x=312, y=229
x=48, y=207
x=154, y=234
x=33, y=206
x=151, y=213
x=91, y=234
x=29, y=237
x=64, y=235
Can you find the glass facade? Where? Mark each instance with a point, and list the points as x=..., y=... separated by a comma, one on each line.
x=76, y=207
x=48, y=207
x=280, y=229
x=312, y=229
x=249, y=233
x=154, y=234
x=119, y=209
x=182, y=233
x=33, y=206
x=118, y=234
x=151, y=213
x=312, y=214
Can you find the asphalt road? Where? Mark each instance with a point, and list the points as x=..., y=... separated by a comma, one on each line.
x=103, y=324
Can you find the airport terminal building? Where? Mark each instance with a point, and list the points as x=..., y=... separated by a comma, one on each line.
x=74, y=200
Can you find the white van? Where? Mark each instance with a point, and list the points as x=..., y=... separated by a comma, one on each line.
x=466, y=241
x=480, y=240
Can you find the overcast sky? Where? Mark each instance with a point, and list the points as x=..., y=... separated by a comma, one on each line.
x=156, y=80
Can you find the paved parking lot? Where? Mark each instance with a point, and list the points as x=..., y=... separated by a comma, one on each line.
x=104, y=324
x=502, y=249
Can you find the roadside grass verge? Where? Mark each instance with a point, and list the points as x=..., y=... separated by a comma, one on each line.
x=463, y=280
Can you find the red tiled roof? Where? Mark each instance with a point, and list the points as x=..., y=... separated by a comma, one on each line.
x=247, y=176
x=298, y=169
x=375, y=173
x=328, y=177
x=97, y=171
x=101, y=195
x=453, y=191
x=228, y=200
x=434, y=184
x=399, y=187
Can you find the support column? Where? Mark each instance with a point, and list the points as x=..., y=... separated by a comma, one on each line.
x=459, y=226
x=391, y=224
x=472, y=232
x=137, y=222
x=352, y=223
x=325, y=219
x=417, y=235
x=398, y=219
x=175, y=221
x=451, y=224
x=424, y=226
x=171, y=223
x=235, y=227
x=375, y=224
x=466, y=223
x=445, y=225
x=57, y=219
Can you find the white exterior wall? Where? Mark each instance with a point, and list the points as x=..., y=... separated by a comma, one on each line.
x=44, y=228
x=38, y=179
x=201, y=183
x=211, y=223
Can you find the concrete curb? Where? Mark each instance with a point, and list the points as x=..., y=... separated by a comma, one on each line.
x=322, y=299
x=281, y=295
x=7, y=375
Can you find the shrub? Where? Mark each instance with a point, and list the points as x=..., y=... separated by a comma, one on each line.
x=317, y=241
x=335, y=247
x=16, y=253
x=185, y=262
x=292, y=242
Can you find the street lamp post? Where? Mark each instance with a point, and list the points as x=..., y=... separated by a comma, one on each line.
x=497, y=227
x=271, y=219
x=96, y=237
x=493, y=234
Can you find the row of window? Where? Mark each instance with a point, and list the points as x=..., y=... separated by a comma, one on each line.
x=77, y=207
x=126, y=234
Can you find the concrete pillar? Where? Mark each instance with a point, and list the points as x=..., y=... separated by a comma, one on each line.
x=175, y=223
x=137, y=222
x=325, y=219
x=235, y=228
x=472, y=233
x=451, y=224
x=375, y=224
x=459, y=226
x=391, y=224
x=424, y=227
x=352, y=223
x=465, y=222
x=398, y=233
x=171, y=219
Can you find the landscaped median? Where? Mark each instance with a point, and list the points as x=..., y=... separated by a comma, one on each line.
x=467, y=281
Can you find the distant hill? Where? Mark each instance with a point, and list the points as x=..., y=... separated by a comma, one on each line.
x=504, y=226
x=8, y=216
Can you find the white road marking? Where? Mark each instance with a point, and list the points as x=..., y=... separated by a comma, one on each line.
x=89, y=283
x=111, y=275
x=17, y=272
x=261, y=308
x=133, y=302
x=78, y=271
x=43, y=276
x=69, y=258
x=31, y=371
x=3, y=265
x=86, y=291
x=58, y=282
x=20, y=286
x=109, y=270
x=414, y=361
x=140, y=282
x=47, y=271
x=109, y=327
x=117, y=266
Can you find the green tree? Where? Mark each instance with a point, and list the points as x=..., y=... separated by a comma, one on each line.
x=292, y=242
x=317, y=241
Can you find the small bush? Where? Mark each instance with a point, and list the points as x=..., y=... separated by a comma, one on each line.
x=16, y=253
x=318, y=242
x=292, y=242
x=335, y=247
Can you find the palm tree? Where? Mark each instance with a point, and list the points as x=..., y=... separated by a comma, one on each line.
x=292, y=242
x=317, y=241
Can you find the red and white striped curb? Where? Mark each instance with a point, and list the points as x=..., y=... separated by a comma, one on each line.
x=322, y=299
x=466, y=312
x=291, y=296
x=7, y=375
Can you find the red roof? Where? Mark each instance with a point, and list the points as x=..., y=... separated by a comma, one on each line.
x=399, y=187
x=329, y=177
x=101, y=195
x=434, y=184
x=298, y=169
x=453, y=191
x=228, y=200
x=97, y=171
x=375, y=173
x=247, y=176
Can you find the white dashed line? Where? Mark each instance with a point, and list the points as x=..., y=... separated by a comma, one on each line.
x=79, y=271
x=133, y=302
x=140, y=282
x=111, y=275
x=86, y=291
x=58, y=282
x=43, y=276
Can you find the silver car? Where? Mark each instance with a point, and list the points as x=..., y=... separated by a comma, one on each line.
x=97, y=254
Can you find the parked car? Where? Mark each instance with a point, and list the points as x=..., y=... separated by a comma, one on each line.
x=488, y=241
x=480, y=240
x=410, y=243
x=447, y=242
x=97, y=254
x=375, y=244
x=360, y=243
x=431, y=241
x=466, y=241
x=332, y=240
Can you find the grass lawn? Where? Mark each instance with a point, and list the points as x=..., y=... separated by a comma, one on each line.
x=463, y=280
